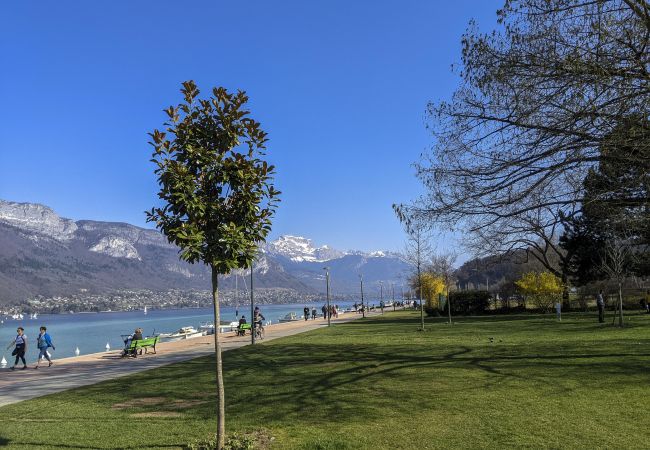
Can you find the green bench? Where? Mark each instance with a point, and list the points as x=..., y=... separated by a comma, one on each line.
x=146, y=344
x=241, y=330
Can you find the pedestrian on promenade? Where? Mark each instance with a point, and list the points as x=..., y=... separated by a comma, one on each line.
x=313, y=313
x=305, y=312
x=43, y=342
x=335, y=311
x=600, y=302
x=20, y=344
x=324, y=309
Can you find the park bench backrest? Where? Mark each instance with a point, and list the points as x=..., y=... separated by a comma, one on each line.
x=147, y=342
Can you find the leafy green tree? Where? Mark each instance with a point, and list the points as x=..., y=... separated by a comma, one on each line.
x=615, y=208
x=217, y=192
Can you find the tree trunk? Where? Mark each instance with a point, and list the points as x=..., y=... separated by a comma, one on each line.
x=620, y=304
x=421, y=302
x=221, y=413
x=566, y=301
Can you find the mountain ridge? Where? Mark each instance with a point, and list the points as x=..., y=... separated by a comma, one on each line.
x=43, y=254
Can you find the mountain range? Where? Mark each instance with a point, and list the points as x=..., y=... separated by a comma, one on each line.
x=43, y=254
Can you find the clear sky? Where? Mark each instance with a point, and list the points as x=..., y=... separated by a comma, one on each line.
x=340, y=86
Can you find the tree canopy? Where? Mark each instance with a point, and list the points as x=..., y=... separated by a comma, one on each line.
x=615, y=207
x=537, y=100
x=216, y=189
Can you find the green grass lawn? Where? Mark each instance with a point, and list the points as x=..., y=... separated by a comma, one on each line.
x=486, y=382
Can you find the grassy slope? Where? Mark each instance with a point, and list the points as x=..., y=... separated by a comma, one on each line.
x=380, y=384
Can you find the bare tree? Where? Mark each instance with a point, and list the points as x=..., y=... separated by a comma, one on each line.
x=537, y=99
x=442, y=264
x=615, y=262
x=417, y=253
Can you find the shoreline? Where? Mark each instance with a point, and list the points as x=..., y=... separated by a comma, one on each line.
x=7, y=314
x=76, y=371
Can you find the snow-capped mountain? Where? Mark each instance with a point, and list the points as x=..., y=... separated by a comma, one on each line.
x=298, y=248
x=301, y=249
x=38, y=219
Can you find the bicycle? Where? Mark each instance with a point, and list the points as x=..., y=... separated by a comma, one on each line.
x=259, y=331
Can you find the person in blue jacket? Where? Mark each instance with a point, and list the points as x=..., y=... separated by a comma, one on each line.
x=43, y=342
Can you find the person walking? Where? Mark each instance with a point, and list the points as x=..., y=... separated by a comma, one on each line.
x=324, y=309
x=600, y=302
x=43, y=342
x=305, y=312
x=313, y=313
x=20, y=344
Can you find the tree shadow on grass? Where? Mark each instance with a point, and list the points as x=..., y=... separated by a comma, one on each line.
x=293, y=382
x=4, y=441
x=47, y=444
x=311, y=380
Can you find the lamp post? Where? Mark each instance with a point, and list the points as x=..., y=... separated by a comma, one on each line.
x=327, y=281
x=363, y=309
x=252, y=309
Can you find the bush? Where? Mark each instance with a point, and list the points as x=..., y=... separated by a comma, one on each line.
x=235, y=441
x=469, y=302
x=431, y=311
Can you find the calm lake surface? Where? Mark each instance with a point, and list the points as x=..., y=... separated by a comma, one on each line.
x=90, y=332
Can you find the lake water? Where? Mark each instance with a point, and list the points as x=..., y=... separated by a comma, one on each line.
x=90, y=332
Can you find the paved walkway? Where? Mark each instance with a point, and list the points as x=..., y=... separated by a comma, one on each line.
x=68, y=373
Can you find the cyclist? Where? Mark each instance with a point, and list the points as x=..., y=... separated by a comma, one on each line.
x=258, y=317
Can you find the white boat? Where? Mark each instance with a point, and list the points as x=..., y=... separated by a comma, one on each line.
x=226, y=327
x=207, y=327
x=145, y=309
x=291, y=317
x=183, y=333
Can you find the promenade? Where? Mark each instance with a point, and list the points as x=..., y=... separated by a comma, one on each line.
x=68, y=373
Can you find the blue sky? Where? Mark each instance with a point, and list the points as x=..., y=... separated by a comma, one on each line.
x=341, y=87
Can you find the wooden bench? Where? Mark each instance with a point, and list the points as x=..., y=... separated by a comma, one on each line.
x=146, y=344
x=241, y=329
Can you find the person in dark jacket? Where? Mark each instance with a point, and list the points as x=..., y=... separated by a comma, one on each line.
x=20, y=344
x=600, y=302
x=43, y=342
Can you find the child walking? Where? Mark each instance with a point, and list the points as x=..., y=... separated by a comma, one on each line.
x=20, y=344
x=44, y=341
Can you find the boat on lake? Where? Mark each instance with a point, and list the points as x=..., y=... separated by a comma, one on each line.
x=290, y=317
x=207, y=327
x=183, y=333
